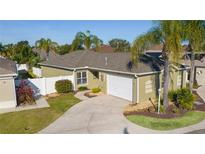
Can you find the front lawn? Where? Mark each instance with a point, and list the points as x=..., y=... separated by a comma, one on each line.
x=32, y=121
x=189, y=118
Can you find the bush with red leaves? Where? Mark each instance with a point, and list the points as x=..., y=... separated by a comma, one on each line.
x=24, y=94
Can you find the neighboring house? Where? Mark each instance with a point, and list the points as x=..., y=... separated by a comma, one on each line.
x=8, y=72
x=105, y=49
x=114, y=73
x=199, y=71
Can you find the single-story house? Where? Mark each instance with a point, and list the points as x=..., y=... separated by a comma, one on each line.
x=114, y=73
x=8, y=72
x=199, y=71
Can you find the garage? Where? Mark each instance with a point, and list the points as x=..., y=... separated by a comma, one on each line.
x=119, y=86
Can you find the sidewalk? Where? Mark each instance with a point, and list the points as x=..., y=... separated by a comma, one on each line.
x=40, y=103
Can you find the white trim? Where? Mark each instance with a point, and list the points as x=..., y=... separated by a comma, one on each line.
x=6, y=78
x=9, y=75
x=81, y=77
x=14, y=92
x=74, y=81
x=138, y=90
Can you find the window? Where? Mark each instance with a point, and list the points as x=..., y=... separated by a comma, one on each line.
x=148, y=86
x=81, y=77
x=179, y=80
x=95, y=74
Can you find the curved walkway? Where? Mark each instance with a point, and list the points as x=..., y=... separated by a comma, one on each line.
x=201, y=92
x=103, y=114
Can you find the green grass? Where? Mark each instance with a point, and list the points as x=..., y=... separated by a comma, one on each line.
x=32, y=121
x=189, y=118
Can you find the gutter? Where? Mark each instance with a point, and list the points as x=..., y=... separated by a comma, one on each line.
x=9, y=75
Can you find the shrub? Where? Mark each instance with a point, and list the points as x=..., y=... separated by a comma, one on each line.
x=24, y=94
x=172, y=95
x=195, y=85
x=96, y=90
x=63, y=86
x=185, y=99
x=175, y=110
x=82, y=88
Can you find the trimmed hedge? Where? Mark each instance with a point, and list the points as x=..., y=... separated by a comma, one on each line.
x=82, y=88
x=63, y=86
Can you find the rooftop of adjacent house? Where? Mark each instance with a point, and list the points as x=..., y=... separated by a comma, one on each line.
x=7, y=67
x=117, y=61
x=105, y=49
x=198, y=63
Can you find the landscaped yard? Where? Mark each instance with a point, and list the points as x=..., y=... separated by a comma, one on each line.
x=32, y=121
x=189, y=118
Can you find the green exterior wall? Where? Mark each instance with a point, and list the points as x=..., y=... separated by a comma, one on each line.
x=156, y=84
x=143, y=96
x=92, y=81
x=51, y=71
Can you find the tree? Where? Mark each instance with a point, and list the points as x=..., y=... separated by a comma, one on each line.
x=194, y=33
x=168, y=33
x=120, y=45
x=46, y=44
x=63, y=49
x=1, y=47
x=20, y=52
x=7, y=51
x=23, y=54
x=86, y=41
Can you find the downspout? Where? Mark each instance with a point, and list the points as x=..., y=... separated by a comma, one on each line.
x=137, y=78
x=74, y=80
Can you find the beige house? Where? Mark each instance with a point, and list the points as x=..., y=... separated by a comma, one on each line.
x=114, y=73
x=7, y=85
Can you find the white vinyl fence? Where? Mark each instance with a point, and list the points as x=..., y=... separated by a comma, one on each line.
x=44, y=86
x=36, y=71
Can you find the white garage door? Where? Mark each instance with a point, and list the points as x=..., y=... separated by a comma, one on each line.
x=119, y=86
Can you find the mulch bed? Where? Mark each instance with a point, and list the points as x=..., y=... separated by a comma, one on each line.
x=156, y=115
x=168, y=115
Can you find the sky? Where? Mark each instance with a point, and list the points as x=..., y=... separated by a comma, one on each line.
x=63, y=31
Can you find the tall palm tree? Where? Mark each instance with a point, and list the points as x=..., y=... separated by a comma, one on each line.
x=194, y=33
x=168, y=33
x=86, y=40
x=46, y=44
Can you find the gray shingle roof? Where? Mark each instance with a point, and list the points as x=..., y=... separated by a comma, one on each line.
x=7, y=67
x=117, y=61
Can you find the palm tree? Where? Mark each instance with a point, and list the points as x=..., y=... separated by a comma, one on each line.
x=7, y=51
x=194, y=33
x=46, y=44
x=86, y=41
x=168, y=33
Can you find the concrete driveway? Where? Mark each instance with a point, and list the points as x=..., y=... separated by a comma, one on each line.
x=102, y=114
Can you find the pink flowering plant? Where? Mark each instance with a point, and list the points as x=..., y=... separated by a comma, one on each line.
x=25, y=94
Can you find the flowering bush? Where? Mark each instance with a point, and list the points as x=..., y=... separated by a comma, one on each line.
x=24, y=94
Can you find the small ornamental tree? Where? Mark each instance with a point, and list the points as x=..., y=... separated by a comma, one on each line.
x=63, y=86
x=24, y=94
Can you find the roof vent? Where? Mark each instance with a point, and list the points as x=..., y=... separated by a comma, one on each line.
x=106, y=61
